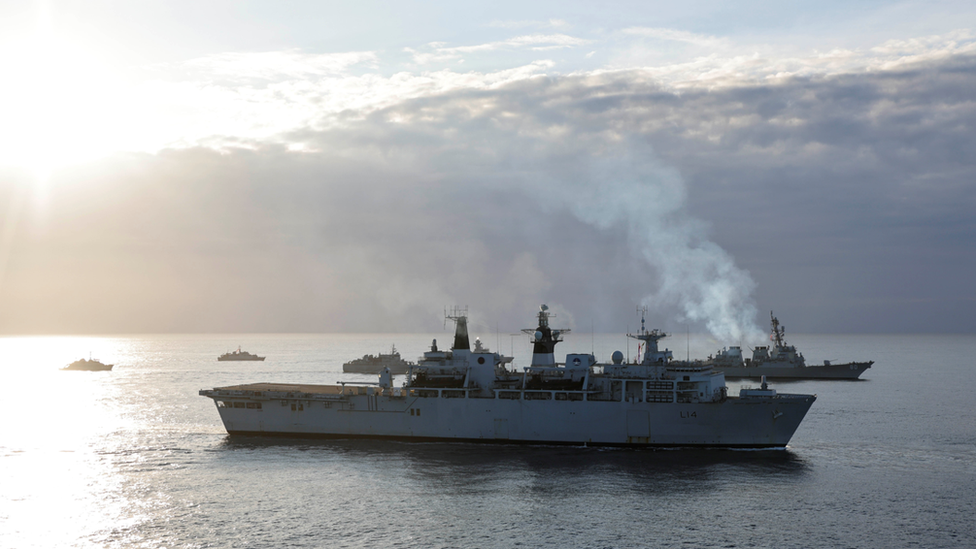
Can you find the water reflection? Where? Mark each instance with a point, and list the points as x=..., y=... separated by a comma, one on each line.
x=58, y=486
x=460, y=494
x=451, y=466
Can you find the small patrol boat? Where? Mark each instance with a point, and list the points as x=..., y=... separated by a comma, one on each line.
x=780, y=361
x=475, y=396
x=87, y=365
x=238, y=355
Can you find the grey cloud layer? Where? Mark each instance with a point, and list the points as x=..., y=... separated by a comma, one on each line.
x=848, y=200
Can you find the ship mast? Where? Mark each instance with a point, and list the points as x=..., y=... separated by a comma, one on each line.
x=778, y=334
x=650, y=338
x=544, y=339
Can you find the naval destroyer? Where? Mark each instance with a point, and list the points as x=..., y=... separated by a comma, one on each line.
x=462, y=395
x=238, y=355
x=780, y=361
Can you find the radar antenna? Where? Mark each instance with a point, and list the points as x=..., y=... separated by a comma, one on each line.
x=778, y=334
x=460, y=317
x=544, y=339
x=650, y=339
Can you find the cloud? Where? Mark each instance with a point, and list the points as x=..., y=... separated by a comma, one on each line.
x=439, y=52
x=720, y=62
x=675, y=35
x=276, y=65
x=842, y=200
x=551, y=23
x=264, y=96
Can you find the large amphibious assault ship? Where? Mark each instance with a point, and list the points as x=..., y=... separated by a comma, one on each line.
x=781, y=361
x=461, y=395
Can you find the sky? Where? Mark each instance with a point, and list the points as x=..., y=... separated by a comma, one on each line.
x=214, y=167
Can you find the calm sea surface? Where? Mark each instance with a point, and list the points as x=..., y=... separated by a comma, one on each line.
x=135, y=458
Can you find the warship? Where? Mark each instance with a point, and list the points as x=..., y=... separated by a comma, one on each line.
x=780, y=361
x=474, y=396
x=87, y=365
x=371, y=364
x=238, y=355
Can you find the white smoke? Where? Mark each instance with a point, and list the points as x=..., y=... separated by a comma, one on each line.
x=693, y=273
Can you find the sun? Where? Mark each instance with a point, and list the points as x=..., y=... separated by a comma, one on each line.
x=60, y=103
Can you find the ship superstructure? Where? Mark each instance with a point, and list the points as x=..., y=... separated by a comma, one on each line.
x=466, y=395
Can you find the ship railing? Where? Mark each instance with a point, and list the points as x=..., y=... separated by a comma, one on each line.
x=696, y=368
x=344, y=383
x=271, y=395
x=459, y=369
x=544, y=394
x=558, y=368
x=439, y=392
x=444, y=370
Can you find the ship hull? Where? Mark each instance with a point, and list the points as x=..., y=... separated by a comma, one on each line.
x=235, y=359
x=88, y=368
x=395, y=368
x=730, y=423
x=852, y=370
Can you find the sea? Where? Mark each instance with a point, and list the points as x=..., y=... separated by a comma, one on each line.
x=135, y=457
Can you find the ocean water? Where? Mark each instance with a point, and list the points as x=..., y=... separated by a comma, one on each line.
x=135, y=458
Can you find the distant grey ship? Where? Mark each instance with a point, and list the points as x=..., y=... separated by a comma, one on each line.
x=87, y=365
x=460, y=395
x=238, y=355
x=782, y=361
x=371, y=364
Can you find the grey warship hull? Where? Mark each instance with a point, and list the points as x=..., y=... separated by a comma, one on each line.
x=472, y=396
x=536, y=417
x=850, y=371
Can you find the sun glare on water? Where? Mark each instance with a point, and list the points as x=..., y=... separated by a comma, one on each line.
x=51, y=468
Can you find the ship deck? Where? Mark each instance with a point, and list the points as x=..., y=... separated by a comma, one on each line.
x=285, y=388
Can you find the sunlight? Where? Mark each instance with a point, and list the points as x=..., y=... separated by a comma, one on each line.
x=52, y=471
x=60, y=103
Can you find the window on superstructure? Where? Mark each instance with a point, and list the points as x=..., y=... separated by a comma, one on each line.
x=238, y=405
